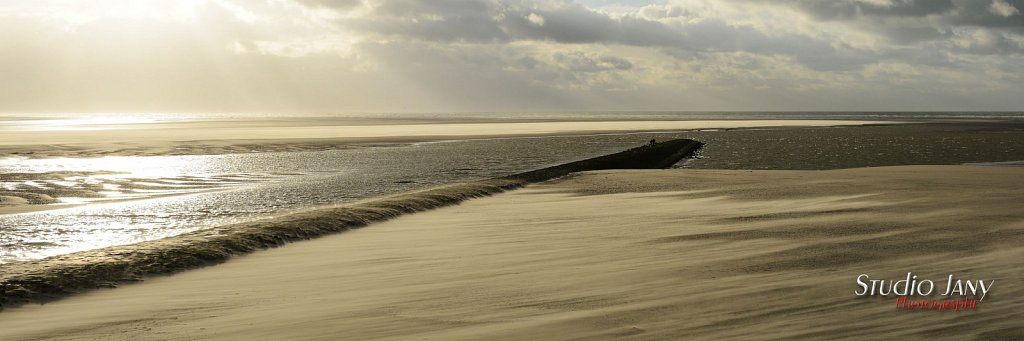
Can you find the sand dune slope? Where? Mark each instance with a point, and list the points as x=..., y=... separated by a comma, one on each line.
x=643, y=255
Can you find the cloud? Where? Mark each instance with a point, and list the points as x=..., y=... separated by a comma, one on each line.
x=852, y=9
x=333, y=4
x=939, y=13
x=675, y=29
x=1003, y=9
x=491, y=55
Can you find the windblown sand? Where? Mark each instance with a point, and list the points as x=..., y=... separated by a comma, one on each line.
x=645, y=255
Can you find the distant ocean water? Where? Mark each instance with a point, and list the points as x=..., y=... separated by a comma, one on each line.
x=186, y=193
x=50, y=118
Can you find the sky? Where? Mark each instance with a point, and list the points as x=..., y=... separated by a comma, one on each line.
x=354, y=56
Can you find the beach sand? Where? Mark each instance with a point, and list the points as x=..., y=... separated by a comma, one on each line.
x=221, y=137
x=645, y=255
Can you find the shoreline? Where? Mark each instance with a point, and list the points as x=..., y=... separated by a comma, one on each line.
x=614, y=254
x=833, y=147
x=295, y=144
x=212, y=138
x=58, y=276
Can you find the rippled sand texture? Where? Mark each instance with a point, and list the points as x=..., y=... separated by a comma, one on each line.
x=645, y=255
x=25, y=192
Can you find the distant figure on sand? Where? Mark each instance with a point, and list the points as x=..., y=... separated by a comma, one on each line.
x=651, y=143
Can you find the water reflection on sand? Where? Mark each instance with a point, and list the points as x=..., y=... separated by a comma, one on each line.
x=185, y=193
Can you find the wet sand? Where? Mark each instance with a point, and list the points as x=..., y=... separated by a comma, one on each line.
x=222, y=137
x=646, y=255
x=31, y=192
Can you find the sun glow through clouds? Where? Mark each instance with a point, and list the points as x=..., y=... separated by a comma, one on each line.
x=348, y=56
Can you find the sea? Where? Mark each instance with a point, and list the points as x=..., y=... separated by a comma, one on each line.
x=95, y=202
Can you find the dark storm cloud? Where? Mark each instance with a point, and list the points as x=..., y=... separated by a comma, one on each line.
x=501, y=21
x=981, y=13
x=946, y=26
x=851, y=9
x=563, y=22
x=901, y=33
x=482, y=21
